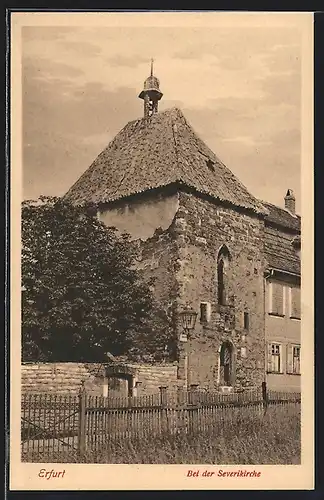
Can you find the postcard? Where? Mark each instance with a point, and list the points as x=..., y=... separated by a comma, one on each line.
x=161, y=251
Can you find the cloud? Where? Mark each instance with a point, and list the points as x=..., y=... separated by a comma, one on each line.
x=42, y=68
x=48, y=33
x=86, y=49
x=128, y=61
x=66, y=127
x=240, y=89
x=246, y=141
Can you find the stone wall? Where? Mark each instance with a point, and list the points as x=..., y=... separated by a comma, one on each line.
x=61, y=378
x=202, y=228
x=68, y=378
x=178, y=238
x=151, y=377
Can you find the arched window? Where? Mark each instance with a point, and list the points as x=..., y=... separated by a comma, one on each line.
x=222, y=267
x=226, y=362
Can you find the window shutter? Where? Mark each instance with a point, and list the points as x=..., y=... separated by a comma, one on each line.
x=281, y=364
x=277, y=298
x=269, y=357
x=295, y=302
x=289, y=358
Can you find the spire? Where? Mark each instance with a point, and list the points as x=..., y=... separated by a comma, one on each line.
x=151, y=94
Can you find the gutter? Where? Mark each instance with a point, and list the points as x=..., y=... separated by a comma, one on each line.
x=273, y=270
x=265, y=351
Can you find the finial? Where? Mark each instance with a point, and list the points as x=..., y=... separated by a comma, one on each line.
x=151, y=94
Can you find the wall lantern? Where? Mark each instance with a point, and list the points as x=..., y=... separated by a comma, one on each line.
x=188, y=318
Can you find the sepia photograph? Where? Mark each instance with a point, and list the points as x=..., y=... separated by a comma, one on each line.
x=161, y=211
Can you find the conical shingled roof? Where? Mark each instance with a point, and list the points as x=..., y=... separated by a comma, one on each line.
x=153, y=153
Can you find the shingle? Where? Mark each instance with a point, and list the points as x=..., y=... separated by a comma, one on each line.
x=279, y=250
x=281, y=217
x=153, y=153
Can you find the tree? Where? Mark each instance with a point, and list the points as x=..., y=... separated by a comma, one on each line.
x=82, y=296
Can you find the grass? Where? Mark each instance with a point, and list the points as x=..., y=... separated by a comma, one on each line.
x=271, y=439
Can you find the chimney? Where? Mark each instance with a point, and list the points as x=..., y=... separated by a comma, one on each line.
x=290, y=201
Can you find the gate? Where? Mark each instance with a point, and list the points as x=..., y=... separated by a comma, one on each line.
x=49, y=426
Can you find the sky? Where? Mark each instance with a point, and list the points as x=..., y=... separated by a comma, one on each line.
x=240, y=89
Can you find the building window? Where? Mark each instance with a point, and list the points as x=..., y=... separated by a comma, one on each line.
x=221, y=285
x=276, y=299
x=204, y=312
x=246, y=321
x=222, y=267
x=296, y=359
x=274, y=358
x=226, y=364
x=295, y=303
x=293, y=359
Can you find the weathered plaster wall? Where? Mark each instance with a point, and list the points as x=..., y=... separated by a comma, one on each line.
x=284, y=330
x=140, y=218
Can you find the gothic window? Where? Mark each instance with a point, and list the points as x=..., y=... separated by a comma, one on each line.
x=222, y=278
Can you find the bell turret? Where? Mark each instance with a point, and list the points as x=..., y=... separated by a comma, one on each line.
x=151, y=94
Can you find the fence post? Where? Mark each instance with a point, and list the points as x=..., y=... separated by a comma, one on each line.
x=180, y=396
x=192, y=395
x=192, y=414
x=82, y=421
x=163, y=395
x=264, y=396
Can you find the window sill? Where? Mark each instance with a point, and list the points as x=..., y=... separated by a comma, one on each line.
x=297, y=374
x=294, y=317
x=276, y=315
x=276, y=373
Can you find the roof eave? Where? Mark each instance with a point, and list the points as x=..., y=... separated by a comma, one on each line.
x=275, y=271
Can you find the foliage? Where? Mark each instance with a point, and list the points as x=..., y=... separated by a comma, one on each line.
x=81, y=294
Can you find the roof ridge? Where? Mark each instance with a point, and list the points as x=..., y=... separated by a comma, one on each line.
x=280, y=208
x=153, y=153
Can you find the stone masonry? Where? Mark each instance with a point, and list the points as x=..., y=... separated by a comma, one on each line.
x=68, y=378
x=202, y=228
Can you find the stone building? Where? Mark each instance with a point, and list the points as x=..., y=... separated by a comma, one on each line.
x=209, y=244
